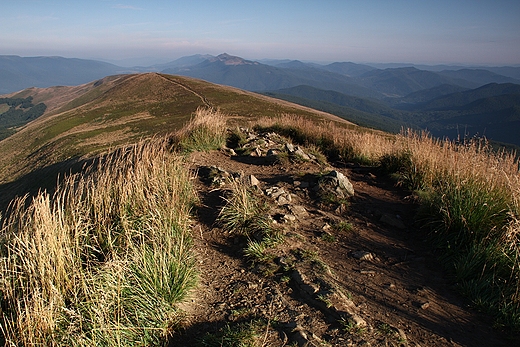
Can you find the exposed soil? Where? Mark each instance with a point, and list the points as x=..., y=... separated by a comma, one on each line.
x=373, y=283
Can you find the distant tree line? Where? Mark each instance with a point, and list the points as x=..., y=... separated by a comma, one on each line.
x=21, y=111
x=14, y=102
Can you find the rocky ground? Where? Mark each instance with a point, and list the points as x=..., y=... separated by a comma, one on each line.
x=353, y=268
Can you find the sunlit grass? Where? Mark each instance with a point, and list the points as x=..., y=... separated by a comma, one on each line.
x=103, y=261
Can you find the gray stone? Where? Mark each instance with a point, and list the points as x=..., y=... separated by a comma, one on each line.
x=392, y=220
x=284, y=199
x=343, y=182
x=299, y=152
x=298, y=211
x=253, y=181
x=363, y=255
x=304, y=284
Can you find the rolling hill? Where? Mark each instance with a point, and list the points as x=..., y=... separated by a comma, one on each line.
x=121, y=109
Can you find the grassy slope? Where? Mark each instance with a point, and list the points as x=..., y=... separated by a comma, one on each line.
x=117, y=110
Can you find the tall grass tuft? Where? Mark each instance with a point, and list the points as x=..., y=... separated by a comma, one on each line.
x=103, y=261
x=205, y=131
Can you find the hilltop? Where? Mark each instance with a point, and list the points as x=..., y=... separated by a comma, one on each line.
x=225, y=216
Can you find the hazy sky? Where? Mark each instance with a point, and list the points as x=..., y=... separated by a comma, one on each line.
x=412, y=31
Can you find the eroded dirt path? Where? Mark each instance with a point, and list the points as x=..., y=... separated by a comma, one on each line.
x=374, y=281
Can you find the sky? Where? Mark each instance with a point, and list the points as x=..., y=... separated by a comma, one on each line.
x=365, y=31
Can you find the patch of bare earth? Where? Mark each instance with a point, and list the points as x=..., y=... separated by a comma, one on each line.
x=354, y=275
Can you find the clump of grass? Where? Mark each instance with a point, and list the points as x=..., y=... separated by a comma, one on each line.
x=244, y=213
x=349, y=326
x=205, y=131
x=245, y=334
x=327, y=237
x=343, y=226
x=236, y=138
x=103, y=261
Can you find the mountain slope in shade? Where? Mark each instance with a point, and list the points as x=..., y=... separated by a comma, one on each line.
x=399, y=82
x=349, y=69
x=465, y=97
x=429, y=94
x=479, y=76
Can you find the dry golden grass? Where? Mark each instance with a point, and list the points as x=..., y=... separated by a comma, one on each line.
x=76, y=267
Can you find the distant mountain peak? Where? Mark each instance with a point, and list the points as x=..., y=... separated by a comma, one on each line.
x=232, y=60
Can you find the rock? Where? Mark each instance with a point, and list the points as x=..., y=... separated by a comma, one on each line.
x=272, y=153
x=392, y=221
x=299, y=211
x=425, y=305
x=343, y=182
x=284, y=199
x=363, y=255
x=256, y=152
x=289, y=147
x=288, y=218
x=358, y=321
x=304, y=284
x=334, y=187
x=253, y=181
x=299, y=152
x=274, y=192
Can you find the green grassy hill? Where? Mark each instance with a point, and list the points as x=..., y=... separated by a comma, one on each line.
x=118, y=110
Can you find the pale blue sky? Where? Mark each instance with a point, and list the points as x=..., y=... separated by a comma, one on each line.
x=412, y=31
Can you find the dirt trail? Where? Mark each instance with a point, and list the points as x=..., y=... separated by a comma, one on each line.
x=384, y=285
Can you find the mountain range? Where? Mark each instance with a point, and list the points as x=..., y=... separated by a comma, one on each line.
x=448, y=101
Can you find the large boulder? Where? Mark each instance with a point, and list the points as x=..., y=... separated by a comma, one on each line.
x=334, y=186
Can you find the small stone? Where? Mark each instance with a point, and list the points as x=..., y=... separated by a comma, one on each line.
x=275, y=192
x=298, y=210
x=363, y=255
x=289, y=147
x=256, y=152
x=392, y=221
x=367, y=272
x=343, y=182
x=253, y=181
x=358, y=321
x=289, y=218
x=299, y=152
x=272, y=152
x=284, y=200
x=305, y=285
x=425, y=305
